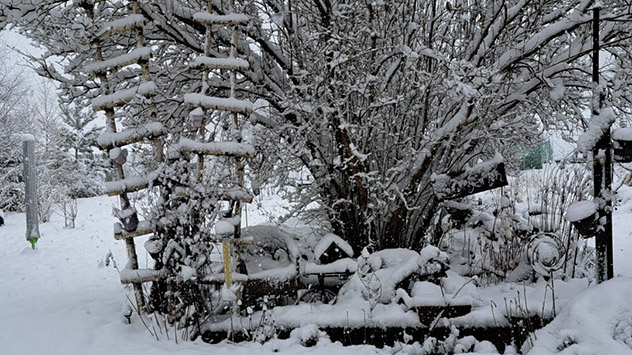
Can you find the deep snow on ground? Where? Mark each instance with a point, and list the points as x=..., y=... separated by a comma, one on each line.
x=62, y=299
x=598, y=321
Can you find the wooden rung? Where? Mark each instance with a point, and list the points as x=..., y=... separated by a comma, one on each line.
x=219, y=63
x=121, y=25
x=122, y=97
x=144, y=228
x=133, y=57
x=218, y=103
x=208, y=18
x=237, y=194
x=130, y=184
x=218, y=279
x=231, y=149
x=129, y=276
x=109, y=140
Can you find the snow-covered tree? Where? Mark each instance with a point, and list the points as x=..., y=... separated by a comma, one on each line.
x=375, y=97
x=14, y=120
x=371, y=97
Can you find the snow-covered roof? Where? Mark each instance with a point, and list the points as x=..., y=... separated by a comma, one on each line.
x=326, y=241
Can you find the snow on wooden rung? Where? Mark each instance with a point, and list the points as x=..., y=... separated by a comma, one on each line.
x=219, y=103
x=144, y=228
x=233, y=149
x=122, y=97
x=141, y=275
x=121, y=25
x=226, y=227
x=237, y=194
x=220, y=63
x=213, y=19
x=130, y=184
x=136, y=134
x=133, y=57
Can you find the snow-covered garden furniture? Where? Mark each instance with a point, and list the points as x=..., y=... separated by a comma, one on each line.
x=270, y=263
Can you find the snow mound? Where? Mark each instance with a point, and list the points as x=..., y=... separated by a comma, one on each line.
x=597, y=321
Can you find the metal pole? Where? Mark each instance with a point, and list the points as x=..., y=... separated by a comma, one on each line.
x=30, y=192
x=602, y=170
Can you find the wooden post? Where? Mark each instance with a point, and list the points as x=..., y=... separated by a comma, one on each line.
x=228, y=270
x=602, y=170
x=30, y=192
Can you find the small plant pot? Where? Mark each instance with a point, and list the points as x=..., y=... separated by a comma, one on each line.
x=584, y=217
x=622, y=145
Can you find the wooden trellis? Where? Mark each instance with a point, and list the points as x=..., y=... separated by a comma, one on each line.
x=228, y=229
x=114, y=140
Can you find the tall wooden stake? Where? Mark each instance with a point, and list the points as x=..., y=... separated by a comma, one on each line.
x=602, y=169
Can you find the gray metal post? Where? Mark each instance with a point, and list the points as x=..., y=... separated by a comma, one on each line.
x=30, y=189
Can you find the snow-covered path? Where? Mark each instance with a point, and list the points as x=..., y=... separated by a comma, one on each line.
x=61, y=299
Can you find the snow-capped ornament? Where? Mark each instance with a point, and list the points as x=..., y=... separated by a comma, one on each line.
x=195, y=117
x=119, y=156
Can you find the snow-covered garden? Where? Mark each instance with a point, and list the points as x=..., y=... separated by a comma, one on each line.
x=327, y=176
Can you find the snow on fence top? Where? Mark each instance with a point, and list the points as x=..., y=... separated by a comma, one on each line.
x=212, y=19
x=122, y=97
x=580, y=210
x=219, y=103
x=597, y=126
x=220, y=63
x=140, y=53
x=122, y=25
x=216, y=148
x=326, y=241
x=130, y=135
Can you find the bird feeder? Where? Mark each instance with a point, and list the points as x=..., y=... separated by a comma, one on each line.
x=622, y=145
x=584, y=216
x=118, y=156
x=196, y=117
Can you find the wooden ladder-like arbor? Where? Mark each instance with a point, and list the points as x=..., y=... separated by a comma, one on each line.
x=113, y=140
